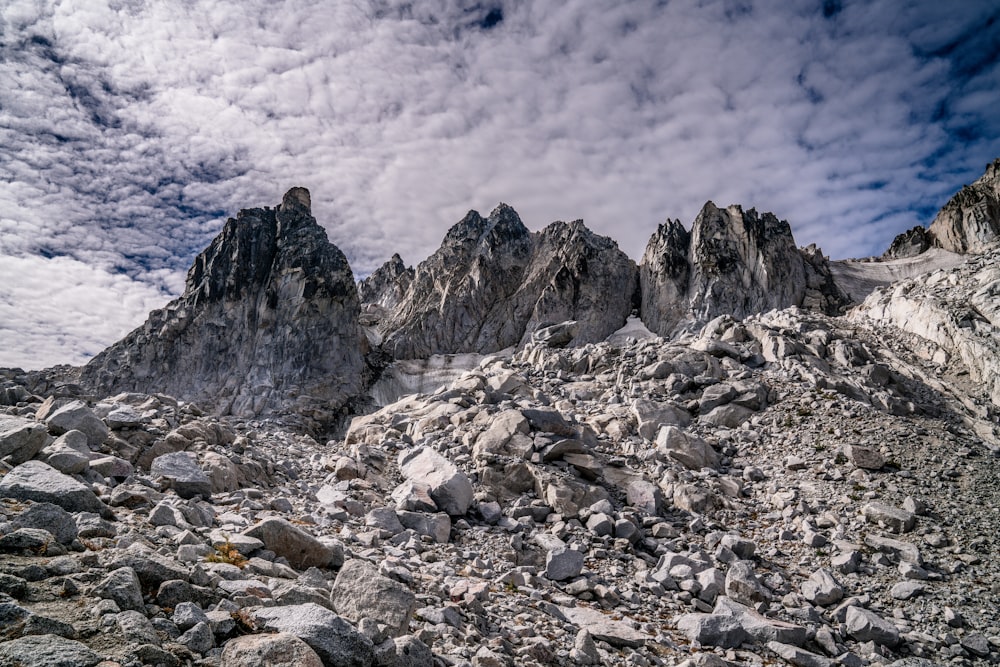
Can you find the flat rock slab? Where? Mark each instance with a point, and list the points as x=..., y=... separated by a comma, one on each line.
x=604, y=628
x=47, y=651
x=34, y=480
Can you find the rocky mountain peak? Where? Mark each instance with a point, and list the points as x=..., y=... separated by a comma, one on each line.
x=733, y=262
x=267, y=323
x=492, y=282
x=970, y=221
x=385, y=288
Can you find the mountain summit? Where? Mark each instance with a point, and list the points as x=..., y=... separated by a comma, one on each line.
x=268, y=322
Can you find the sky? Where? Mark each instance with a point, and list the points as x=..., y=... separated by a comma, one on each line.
x=131, y=129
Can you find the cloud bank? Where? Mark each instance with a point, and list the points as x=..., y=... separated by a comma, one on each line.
x=130, y=131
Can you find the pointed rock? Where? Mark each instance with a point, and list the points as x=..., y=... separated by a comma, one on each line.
x=268, y=322
x=970, y=221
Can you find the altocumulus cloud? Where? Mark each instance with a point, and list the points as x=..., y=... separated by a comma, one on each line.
x=129, y=130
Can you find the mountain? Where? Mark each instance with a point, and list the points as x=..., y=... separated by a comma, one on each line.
x=970, y=221
x=267, y=323
x=733, y=262
x=765, y=485
x=492, y=282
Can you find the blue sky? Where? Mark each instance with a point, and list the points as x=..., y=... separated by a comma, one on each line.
x=130, y=131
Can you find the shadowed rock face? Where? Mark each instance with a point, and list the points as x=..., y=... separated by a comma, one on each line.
x=268, y=323
x=970, y=221
x=492, y=282
x=734, y=262
x=387, y=286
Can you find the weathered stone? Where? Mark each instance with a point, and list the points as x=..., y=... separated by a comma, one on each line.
x=136, y=628
x=449, y=487
x=761, y=628
x=269, y=650
x=822, y=589
x=361, y=592
x=21, y=439
x=798, y=656
x=652, y=415
x=300, y=548
x=331, y=637
x=864, y=457
x=563, y=563
x=198, y=639
x=69, y=454
x=690, y=450
x=76, y=416
x=34, y=480
x=187, y=615
x=644, y=495
x=436, y=525
x=186, y=477
x=51, y=518
x=895, y=519
x=712, y=630
x=47, y=651
x=864, y=625
x=122, y=585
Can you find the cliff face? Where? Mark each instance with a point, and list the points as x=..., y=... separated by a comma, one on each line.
x=492, y=282
x=268, y=322
x=386, y=287
x=970, y=221
x=734, y=262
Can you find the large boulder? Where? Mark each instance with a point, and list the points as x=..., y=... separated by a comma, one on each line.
x=21, y=439
x=333, y=639
x=449, y=487
x=186, y=477
x=269, y=650
x=300, y=548
x=361, y=592
x=34, y=480
x=76, y=416
x=47, y=651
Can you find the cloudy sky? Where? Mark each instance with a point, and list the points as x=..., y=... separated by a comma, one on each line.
x=130, y=129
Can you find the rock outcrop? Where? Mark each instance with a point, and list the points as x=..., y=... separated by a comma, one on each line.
x=267, y=323
x=387, y=286
x=492, y=282
x=970, y=221
x=953, y=314
x=734, y=262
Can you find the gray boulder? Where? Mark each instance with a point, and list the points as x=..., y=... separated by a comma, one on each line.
x=361, y=592
x=300, y=548
x=449, y=487
x=333, y=639
x=50, y=518
x=47, y=651
x=186, y=477
x=864, y=625
x=34, y=480
x=712, y=630
x=269, y=650
x=76, y=416
x=123, y=587
x=21, y=439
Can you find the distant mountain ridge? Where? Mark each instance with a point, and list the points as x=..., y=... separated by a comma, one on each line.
x=271, y=319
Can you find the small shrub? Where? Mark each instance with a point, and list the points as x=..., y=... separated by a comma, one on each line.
x=227, y=553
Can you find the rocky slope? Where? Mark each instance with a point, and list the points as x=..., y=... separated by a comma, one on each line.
x=733, y=262
x=267, y=323
x=789, y=489
x=492, y=283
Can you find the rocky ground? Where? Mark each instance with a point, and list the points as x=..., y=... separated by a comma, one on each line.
x=791, y=489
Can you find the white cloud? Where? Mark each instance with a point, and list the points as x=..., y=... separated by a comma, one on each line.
x=129, y=131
